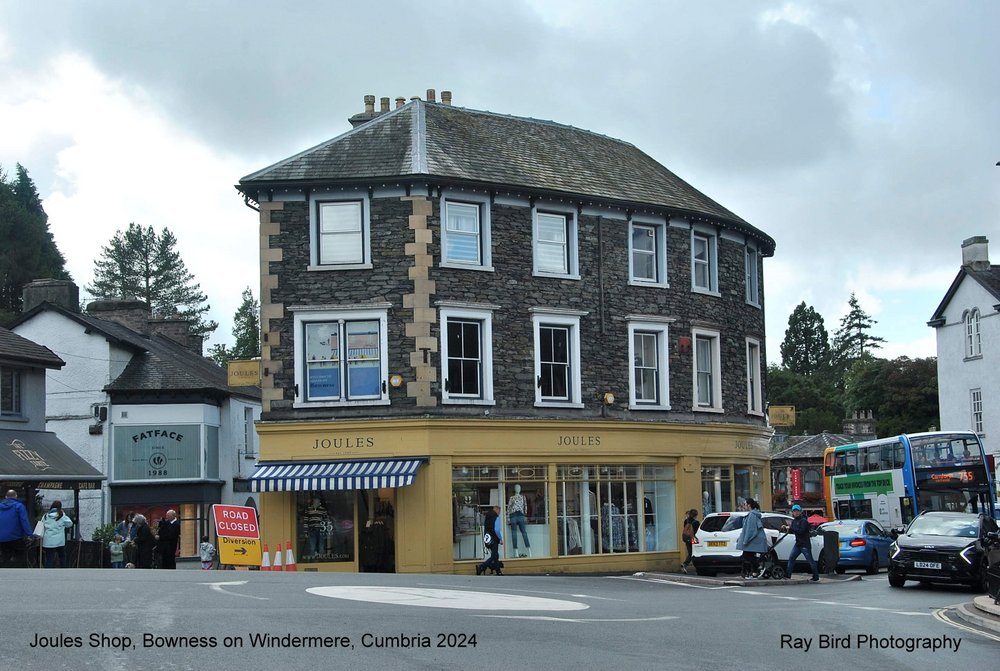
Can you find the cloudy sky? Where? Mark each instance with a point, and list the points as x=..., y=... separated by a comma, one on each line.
x=861, y=136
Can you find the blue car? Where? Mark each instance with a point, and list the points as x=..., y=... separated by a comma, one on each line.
x=863, y=544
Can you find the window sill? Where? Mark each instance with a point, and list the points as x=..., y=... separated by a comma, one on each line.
x=706, y=292
x=754, y=304
x=645, y=406
x=755, y=413
x=465, y=266
x=702, y=408
x=975, y=357
x=21, y=419
x=557, y=404
x=338, y=404
x=467, y=401
x=346, y=266
x=646, y=283
x=556, y=276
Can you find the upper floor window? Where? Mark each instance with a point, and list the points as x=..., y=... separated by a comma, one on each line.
x=10, y=391
x=755, y=404
x=752, y=267
x=557, y=358
x=340, y=236
x=973, y=339
x=704, y=261
x=341, y=357
x=707, y=370
x=977, y=410
x=465, y=231
x=649, y=382
x=647, y=253
x=555, y=243
x=467, y=356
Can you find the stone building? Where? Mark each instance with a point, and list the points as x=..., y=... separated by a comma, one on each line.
x=463, y=308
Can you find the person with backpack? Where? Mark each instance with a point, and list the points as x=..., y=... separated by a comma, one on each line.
x=492, y=539
x=691, y=526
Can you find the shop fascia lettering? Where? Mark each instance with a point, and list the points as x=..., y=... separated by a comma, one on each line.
x=343, y=443
x=157, y=433
x=581, y=440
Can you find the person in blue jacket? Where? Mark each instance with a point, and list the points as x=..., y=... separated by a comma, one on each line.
x=803, y=530
x=55, y=523
x=753, y=539
x=14, y=528
x=493, y=539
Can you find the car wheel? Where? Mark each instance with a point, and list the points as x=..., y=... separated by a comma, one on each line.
x=896, y=580
x=841, y=570
x=873, y=566
x=705, y=572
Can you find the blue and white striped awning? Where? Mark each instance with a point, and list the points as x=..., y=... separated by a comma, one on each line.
x=298, y=476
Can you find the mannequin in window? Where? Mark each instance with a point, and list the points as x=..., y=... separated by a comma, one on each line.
x=517, y=512
x=316, y=521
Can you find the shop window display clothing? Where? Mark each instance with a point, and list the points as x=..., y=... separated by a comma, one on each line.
x=517, y=512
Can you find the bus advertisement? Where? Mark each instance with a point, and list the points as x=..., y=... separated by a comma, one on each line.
x=894, y=479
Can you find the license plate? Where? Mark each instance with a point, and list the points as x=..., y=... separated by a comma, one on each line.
x=718, y=544
x=927, y=564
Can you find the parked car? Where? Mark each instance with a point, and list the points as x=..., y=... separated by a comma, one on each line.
x=944, y=547
x=714, y=546
x=864, y=544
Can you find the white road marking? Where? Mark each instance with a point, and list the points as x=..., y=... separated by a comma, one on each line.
x=550, y=618
x=672, y=582
x=445, y=598
x=939, y=614
x=217, y=586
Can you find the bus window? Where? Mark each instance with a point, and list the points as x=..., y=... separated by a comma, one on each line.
x=828, y=464
x=885, y=457
x=871, y=458
x=851, y=459
x=898, y=455
x=840, y=468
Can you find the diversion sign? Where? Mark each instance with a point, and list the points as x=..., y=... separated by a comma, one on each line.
x=239, y=535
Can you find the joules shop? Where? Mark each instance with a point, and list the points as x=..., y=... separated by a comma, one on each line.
x=410, y=495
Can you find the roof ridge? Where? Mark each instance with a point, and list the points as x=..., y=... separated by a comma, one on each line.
x=418, y=131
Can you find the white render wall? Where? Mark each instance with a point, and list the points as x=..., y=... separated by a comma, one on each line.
x=957, y=376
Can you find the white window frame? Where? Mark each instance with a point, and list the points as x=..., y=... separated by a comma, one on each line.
x=485, y=319
x=316, y=202
x=341, y=315
x=752, y=275
x=571, y=321
x=713, y=337
x=976, y=405
x=755, y=402
x=973, y=335
x=481, y=201
x=16, y=398
x=711, y=264
x=659, y=329
x=572, y=256
x=659, y=228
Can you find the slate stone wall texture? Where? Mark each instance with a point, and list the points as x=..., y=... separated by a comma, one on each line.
x=603, y=331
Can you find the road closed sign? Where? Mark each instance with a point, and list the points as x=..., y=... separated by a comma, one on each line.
x=239, y=535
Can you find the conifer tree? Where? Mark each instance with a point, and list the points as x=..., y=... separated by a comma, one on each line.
x=246, y=331
x=853, y=339
x=806, y=347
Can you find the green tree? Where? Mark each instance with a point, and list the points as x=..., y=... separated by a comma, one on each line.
x=139, y=263
x=246, y=331
x=902, y=393
x=818, y=404
x=27, y=248
x=854, y=339
x=806, y=347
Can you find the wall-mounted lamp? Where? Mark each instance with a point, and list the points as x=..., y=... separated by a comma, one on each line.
x=608, y=398
x=395, y=380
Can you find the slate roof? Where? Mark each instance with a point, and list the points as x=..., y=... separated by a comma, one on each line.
x=15, y=349
x=159, y=363
x=814, y=446
x=434, y=140
x=989, y=279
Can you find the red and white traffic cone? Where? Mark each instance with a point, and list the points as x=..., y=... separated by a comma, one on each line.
x=277, y=559
x=265, y=561
x=290, y=558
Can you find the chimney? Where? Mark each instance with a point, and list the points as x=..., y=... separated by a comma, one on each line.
x=446, y=97
x=174, y=328
x=370, y=104
x=431, y=96
x=367, y=115
x=400, y=101
x=63, y=293
x=384, y=104
x=129, y=312
x=412, y=98
x=976, y=253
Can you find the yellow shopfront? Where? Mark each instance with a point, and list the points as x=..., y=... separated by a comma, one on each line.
x=410, y=495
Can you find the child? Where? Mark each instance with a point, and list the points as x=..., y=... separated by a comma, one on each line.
x=207, y=554
x=117, y=548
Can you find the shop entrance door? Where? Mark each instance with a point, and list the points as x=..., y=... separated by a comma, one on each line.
x=376, y=535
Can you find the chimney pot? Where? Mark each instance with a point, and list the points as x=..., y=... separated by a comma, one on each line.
x=369, y=104
x=431, y=96
x=414, y=97
x=384, y=103
x=976, y=253
x=400, y=101
x=446, y=97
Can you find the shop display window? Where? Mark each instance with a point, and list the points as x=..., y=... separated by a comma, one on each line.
x=606, y=509
x=325, y=526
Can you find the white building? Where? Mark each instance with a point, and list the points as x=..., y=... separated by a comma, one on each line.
x=139, y=402
x=967, y=323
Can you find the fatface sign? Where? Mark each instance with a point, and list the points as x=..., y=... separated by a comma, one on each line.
x=161, y=452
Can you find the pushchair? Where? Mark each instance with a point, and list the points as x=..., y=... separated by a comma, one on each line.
x=769, y=567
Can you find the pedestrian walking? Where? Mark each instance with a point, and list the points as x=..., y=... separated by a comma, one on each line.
x=144, y=542
x=126, y=529
x=492, y=539
x=55, y=523
x=803, y=545
x=207, y=552
x=753, y=538
x=14, y=529
x=168, y=534
x=117, y=548
x=690, y=528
